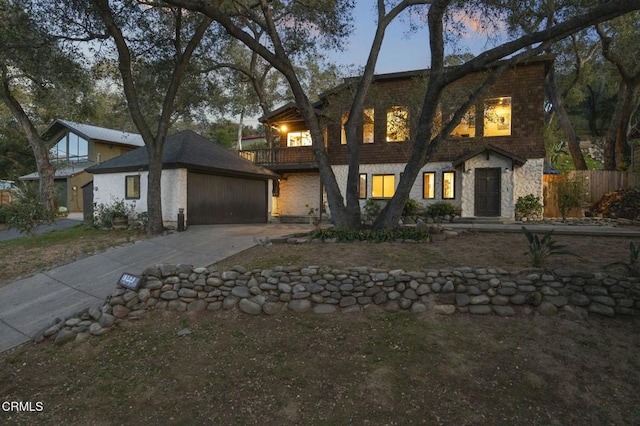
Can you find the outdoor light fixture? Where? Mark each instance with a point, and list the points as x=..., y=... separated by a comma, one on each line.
x=130, y=281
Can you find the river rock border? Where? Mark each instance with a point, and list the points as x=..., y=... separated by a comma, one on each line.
x=324, y=290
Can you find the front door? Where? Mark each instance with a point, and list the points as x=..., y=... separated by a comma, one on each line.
x=487, y=192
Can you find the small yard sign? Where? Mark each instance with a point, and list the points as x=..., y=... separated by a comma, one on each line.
x=130, y=281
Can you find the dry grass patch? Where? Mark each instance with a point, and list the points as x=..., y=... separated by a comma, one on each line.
x=26, y=256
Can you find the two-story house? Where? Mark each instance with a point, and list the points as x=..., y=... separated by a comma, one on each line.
x=495, y=155
x=76, y=147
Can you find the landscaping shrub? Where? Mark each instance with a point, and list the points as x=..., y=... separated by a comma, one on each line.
x=3, y=214
x=529, y=207
x=441, y=209
x=103, y=214
x=27, y=213
x=371, y=210
x=411, y=208
x=624, y=203
x=570, y=194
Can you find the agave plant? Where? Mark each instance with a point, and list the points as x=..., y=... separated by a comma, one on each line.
x=540, y=249
x=633, y=266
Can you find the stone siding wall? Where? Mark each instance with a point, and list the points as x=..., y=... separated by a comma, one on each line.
x=529, y=179
x=299, y=192
x=324, y=290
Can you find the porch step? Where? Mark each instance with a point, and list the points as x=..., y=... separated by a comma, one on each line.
x=293, y=219
x=485, y=220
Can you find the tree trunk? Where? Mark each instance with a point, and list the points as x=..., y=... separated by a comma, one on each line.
x=154, y=189
x=46, y=188
x=563, y=119
x=617, y=150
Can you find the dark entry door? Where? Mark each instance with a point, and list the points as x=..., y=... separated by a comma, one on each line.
x=87, y=202
x=222, y=199
x=487, y=192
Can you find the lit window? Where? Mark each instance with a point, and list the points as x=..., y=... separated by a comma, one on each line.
x=497, y=117
x=383, y=186
x=397, y=124
x=132, y=187
x=343, y=134
x=467, y=126
x=429, y=185
x=362, y=186
x=367, y=125
x=448, y=185
x=300, y=138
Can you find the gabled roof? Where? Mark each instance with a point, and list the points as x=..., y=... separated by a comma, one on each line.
x=488, y=149
x=94, y=133
x=62, y=171
x=187, y=149
x=287, y=113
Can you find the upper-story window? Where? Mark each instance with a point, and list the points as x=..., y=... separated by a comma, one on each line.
x=71, y=148
x=397, y=124
x=467, y=126
x=299, y=138
x=497, y=117
x=368, y=125
x=343, y=133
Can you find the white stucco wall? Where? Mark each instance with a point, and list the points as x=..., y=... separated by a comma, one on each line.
x=299, y=192
x=523, y=180
x=111, y=186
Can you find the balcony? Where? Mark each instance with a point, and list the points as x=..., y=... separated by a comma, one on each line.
x=281, y=158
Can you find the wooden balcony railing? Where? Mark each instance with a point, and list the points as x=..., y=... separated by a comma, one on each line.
x=279, y=156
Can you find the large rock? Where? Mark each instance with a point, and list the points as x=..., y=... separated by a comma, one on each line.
x=120, y=311
x=249, y=307
x=325, y=309
x=64, y=336
x=300, y=305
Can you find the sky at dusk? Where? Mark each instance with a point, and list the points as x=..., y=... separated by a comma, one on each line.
x=401, y=50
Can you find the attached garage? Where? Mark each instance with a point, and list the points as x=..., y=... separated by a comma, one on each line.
x=215, y=199
x=213, y=185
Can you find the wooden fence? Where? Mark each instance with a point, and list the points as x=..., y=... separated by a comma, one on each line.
x=597, y=183
x=5, y=197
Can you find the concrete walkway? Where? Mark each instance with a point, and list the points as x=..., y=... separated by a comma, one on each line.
x=29, y=305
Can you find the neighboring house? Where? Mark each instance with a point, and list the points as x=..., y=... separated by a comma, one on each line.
x=76, y=147
x=6, y=187
x=212, y=185
x=495, y=155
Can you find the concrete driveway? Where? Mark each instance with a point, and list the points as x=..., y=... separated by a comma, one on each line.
x=27, y=306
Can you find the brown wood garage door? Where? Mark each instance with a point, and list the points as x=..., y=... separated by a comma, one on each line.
x=223, y=199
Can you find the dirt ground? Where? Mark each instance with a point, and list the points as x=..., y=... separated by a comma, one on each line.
x=370, y=368
x=475, y=249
